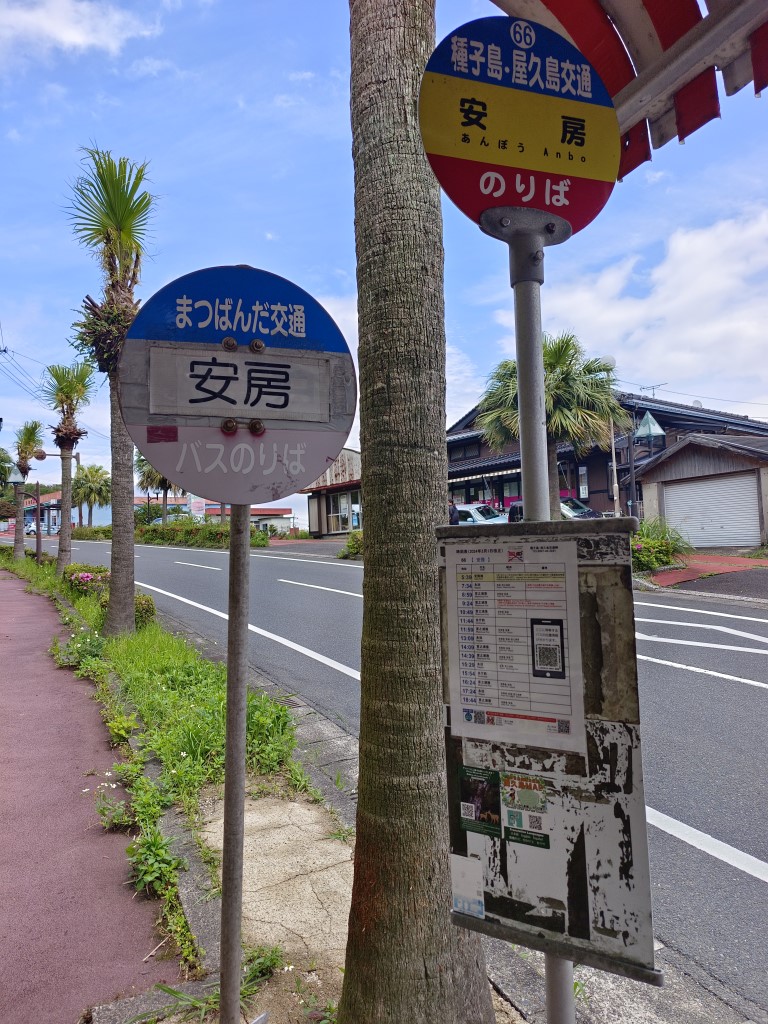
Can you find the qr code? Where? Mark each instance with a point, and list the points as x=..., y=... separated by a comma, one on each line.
x=480, y=717
x=468, y=810
x=564, y=726
x=535, y=823
x=548, y=657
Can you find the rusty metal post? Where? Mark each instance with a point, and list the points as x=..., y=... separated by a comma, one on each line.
x=234, y=764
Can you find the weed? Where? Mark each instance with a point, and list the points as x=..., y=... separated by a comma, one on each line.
x=154, y=866
x=115, y=814
x=121, y=728
x=302, y=783
x=343, y=833
x=338, y=781
x=148, y=802
x=84, y=643
x=580, y=990
x=258, y=965
x=325, y=1015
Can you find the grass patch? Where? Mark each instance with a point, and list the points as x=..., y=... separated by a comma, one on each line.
x=160, y=694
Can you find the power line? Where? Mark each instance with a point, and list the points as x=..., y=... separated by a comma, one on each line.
x=686, y=394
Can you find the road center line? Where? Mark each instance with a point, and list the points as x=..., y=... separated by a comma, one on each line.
x=722, y=851
x=345, y=669
x=197, y=565
x=698, y=611
x=703, y=671
x=708, y=625
x=699, y=643
x=313, y=586
x=310, y=561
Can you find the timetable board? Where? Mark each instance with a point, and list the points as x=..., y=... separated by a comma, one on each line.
x=514, y=651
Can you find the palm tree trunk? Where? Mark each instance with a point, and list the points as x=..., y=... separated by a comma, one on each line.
x=18, y=533
x=80, y=515
x=405, y=960
x=165, y=505
x=554, y=481
x=90, y=514
x=121, y=611
x=64, y=556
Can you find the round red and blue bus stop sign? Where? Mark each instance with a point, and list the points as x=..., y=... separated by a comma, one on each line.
x=237, y=385
x=512, y=114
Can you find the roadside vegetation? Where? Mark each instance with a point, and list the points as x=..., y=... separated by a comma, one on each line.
x=354, y=546
x=657, y=544
x=165, y=708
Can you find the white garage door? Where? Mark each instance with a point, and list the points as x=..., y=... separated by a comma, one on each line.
x=718, y=511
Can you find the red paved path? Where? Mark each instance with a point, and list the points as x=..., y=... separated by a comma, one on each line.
x=701, y=564
x=71, y=932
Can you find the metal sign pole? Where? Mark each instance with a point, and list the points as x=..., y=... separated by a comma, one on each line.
x=234, y=764
x=527, y=233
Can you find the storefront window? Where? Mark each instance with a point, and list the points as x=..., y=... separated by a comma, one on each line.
x=344, y=512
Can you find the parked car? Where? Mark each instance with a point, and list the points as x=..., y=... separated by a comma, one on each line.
x=170, y=519
x=570, y=508
x=30, y=530
x=479, y=515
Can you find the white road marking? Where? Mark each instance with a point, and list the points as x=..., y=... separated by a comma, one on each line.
x=722, y=851
x=197, y=565
x=313, y=586
x=345, y=669
x=699, y=611
x=703, y=671
x=698, y=643
x=310, y=561
x=708, y=625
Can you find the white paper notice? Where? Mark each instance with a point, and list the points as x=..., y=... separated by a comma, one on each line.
x=514, y=642
x=467, y=886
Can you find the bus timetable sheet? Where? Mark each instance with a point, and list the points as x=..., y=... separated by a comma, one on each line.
x=514, y=642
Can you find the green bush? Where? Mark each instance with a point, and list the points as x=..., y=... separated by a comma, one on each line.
x=192, y=534
x=354, y=545
x=657, y=544
x=92, y=532
x=87, y=579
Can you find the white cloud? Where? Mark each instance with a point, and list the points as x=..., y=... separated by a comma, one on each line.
x=35, y=27
x=301, y=76
x=696, y=320
x=464, y=385
x=152, y=67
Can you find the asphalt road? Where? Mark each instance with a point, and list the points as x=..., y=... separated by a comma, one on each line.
x=702, y=669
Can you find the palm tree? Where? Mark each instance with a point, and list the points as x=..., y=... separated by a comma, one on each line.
x=405, y=960
x=6, y=465
x=580, y=404
x=66, y=389
x=150, y=479
x=29, y=439
x=110, y=214
x=91, y=487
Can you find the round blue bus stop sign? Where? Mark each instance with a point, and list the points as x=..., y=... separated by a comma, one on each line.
x=237, y=385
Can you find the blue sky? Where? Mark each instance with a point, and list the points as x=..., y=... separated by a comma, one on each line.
x=242, y=111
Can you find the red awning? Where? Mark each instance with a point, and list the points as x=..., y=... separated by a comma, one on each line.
x=658, y=58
